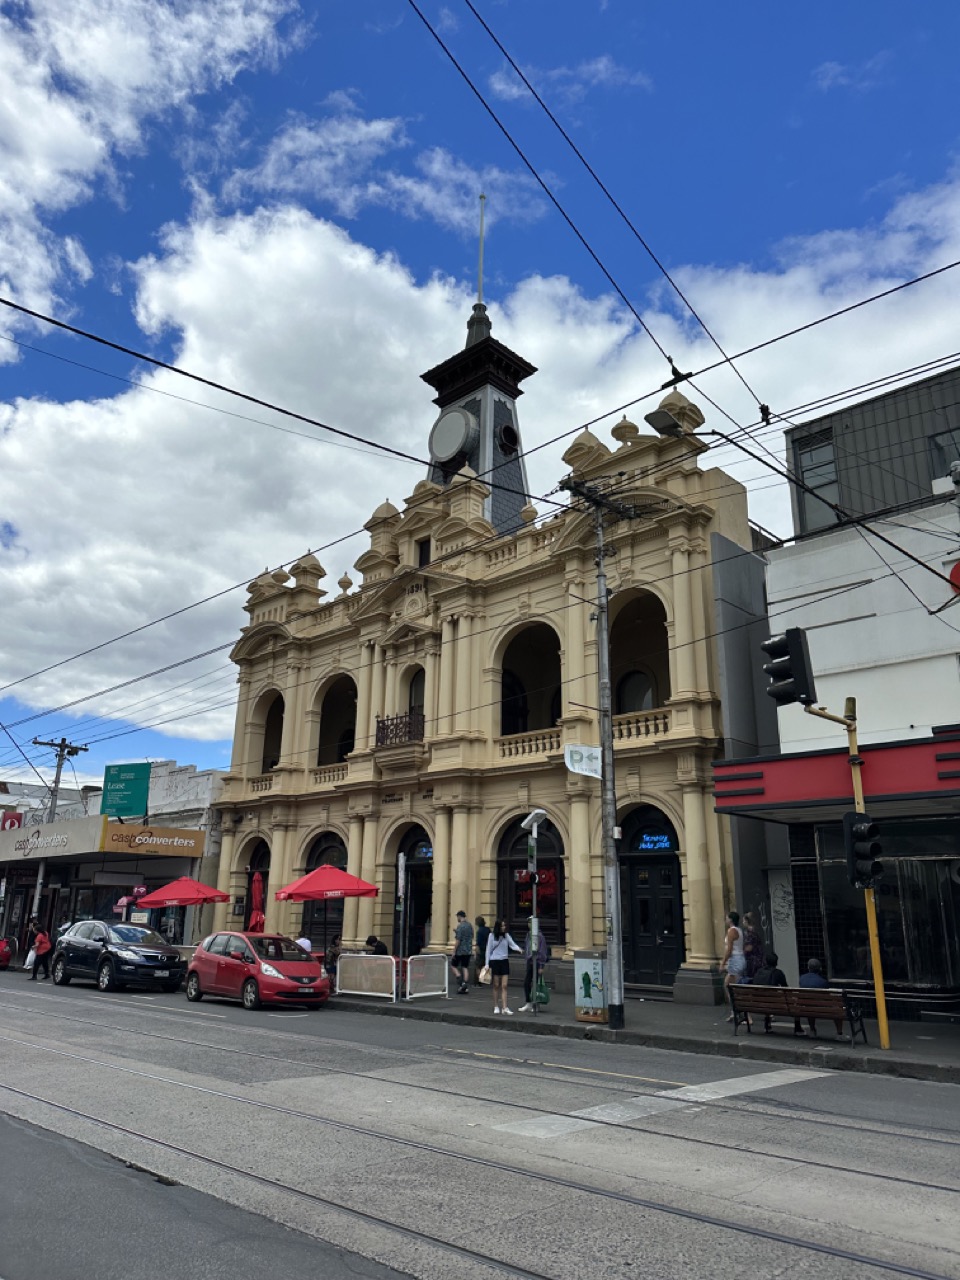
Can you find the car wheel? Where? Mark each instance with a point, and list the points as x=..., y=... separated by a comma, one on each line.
x=105, y=978
x=60, y=975
x=251, y=994
x=193, y=987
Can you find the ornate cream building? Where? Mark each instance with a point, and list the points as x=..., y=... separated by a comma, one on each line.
x=426, y=711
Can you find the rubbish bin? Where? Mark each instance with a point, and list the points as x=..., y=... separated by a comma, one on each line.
x=590, y=985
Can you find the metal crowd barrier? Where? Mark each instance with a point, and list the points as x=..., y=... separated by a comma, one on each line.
x=427, y=976
x=361, y=975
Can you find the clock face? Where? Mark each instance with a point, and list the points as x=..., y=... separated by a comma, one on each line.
x=454, y=432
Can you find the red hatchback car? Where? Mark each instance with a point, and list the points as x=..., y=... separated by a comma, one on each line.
x=256, y=968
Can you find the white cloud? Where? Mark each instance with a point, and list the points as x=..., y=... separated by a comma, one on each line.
x=77, y=82
x=569, y=84
x=341, y=161
x=126, y=508
x=860, y=77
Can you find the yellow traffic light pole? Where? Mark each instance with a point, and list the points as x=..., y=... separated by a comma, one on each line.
x=849, y=722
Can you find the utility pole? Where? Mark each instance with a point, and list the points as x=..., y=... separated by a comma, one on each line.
x=602, y=505
x=64, y=749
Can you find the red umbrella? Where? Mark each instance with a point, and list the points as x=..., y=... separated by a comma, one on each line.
x=257, y=918
x=326, y=882
x=181, y=893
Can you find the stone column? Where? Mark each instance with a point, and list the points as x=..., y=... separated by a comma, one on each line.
x=698, y=979
x=390, y=707
x=440, y=910
x=368, y=872
x=378, y=701
x=276, y=878
x=351, y=906
x=447, y=659
x=238, y=758
x=684, y=671
x=430, y=693
x=464, y=672
x=224, y=869
x=293, y=693
x=365, y=697
x=579, y=890
x=459, y=860
x=698, y=580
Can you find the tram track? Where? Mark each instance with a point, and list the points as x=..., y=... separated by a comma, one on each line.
x=768, y=1110
x=542, y=1177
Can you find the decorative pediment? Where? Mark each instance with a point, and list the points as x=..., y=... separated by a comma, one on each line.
x=259, y=638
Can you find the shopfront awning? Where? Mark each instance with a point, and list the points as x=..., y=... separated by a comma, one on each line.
x=918, y=775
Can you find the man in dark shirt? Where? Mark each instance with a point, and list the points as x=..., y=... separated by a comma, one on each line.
x=376, y=946
x=770, y=976
x=814, y=978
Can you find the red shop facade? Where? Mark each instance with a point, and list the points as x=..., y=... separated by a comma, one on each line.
x=912, y=789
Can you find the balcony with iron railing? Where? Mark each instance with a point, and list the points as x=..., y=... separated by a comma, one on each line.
x=400, y=731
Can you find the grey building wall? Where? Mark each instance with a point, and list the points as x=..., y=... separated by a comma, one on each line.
x=887, y=450
x=761, y=854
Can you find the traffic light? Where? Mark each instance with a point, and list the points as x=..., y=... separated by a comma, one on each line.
x=863, y=850
x=791, y=676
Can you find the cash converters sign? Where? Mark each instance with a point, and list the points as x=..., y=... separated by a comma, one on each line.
x=52, y=839
x=121, y=837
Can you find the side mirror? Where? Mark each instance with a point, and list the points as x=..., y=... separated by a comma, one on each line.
x=236, y=955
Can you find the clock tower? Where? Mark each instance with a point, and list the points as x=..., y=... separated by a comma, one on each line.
x=477, y=392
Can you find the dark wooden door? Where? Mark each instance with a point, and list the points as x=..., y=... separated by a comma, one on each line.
x=652, y=919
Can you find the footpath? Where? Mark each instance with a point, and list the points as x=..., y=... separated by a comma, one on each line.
x=919, y=1050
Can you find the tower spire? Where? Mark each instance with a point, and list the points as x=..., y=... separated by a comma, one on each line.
x=478, y=326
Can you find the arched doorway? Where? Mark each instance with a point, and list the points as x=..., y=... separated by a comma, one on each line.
x=272, y=735
x=515, y=886
x=650, y=898
x=258, y=864
x=412, y=918
x=322, y=921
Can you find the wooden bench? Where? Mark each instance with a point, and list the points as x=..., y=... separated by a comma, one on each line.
x=816, y=1003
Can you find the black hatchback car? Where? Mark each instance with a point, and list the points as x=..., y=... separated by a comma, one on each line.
x=113, y=955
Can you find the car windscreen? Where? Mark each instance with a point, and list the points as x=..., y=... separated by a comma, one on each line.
x=280, y=949
x=135, y=935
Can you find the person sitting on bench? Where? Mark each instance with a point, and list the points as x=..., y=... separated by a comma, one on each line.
x=814, y=978
x=770, y=976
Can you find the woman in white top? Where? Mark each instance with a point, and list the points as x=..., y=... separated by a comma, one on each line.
x=734, y=962
x=499, y=946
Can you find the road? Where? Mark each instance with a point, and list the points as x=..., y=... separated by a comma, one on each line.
x=452, y=1151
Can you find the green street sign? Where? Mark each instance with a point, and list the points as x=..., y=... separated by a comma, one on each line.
x=126, y=789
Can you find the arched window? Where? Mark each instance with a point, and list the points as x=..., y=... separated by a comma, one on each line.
x=338, y=722
x=515, y=884
x=639, y=653
x=636, y=691
x=322, y=921
x=272, y=735
x=417, y=692
x=530, y=681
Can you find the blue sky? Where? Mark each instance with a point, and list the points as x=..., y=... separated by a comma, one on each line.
x=283, y=198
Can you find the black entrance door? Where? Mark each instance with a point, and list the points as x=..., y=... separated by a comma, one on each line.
x=652, y=919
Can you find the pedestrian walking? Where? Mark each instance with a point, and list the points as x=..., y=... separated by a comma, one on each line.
x=733, y=964
x=499, y=946
x=754, y=947
x=42, y=946
x=483, y=933
x=534, y=967
x=814, y=978
x=462, y=947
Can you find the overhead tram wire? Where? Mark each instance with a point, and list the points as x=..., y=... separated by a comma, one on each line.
x=335, y=542
x=610, y=197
